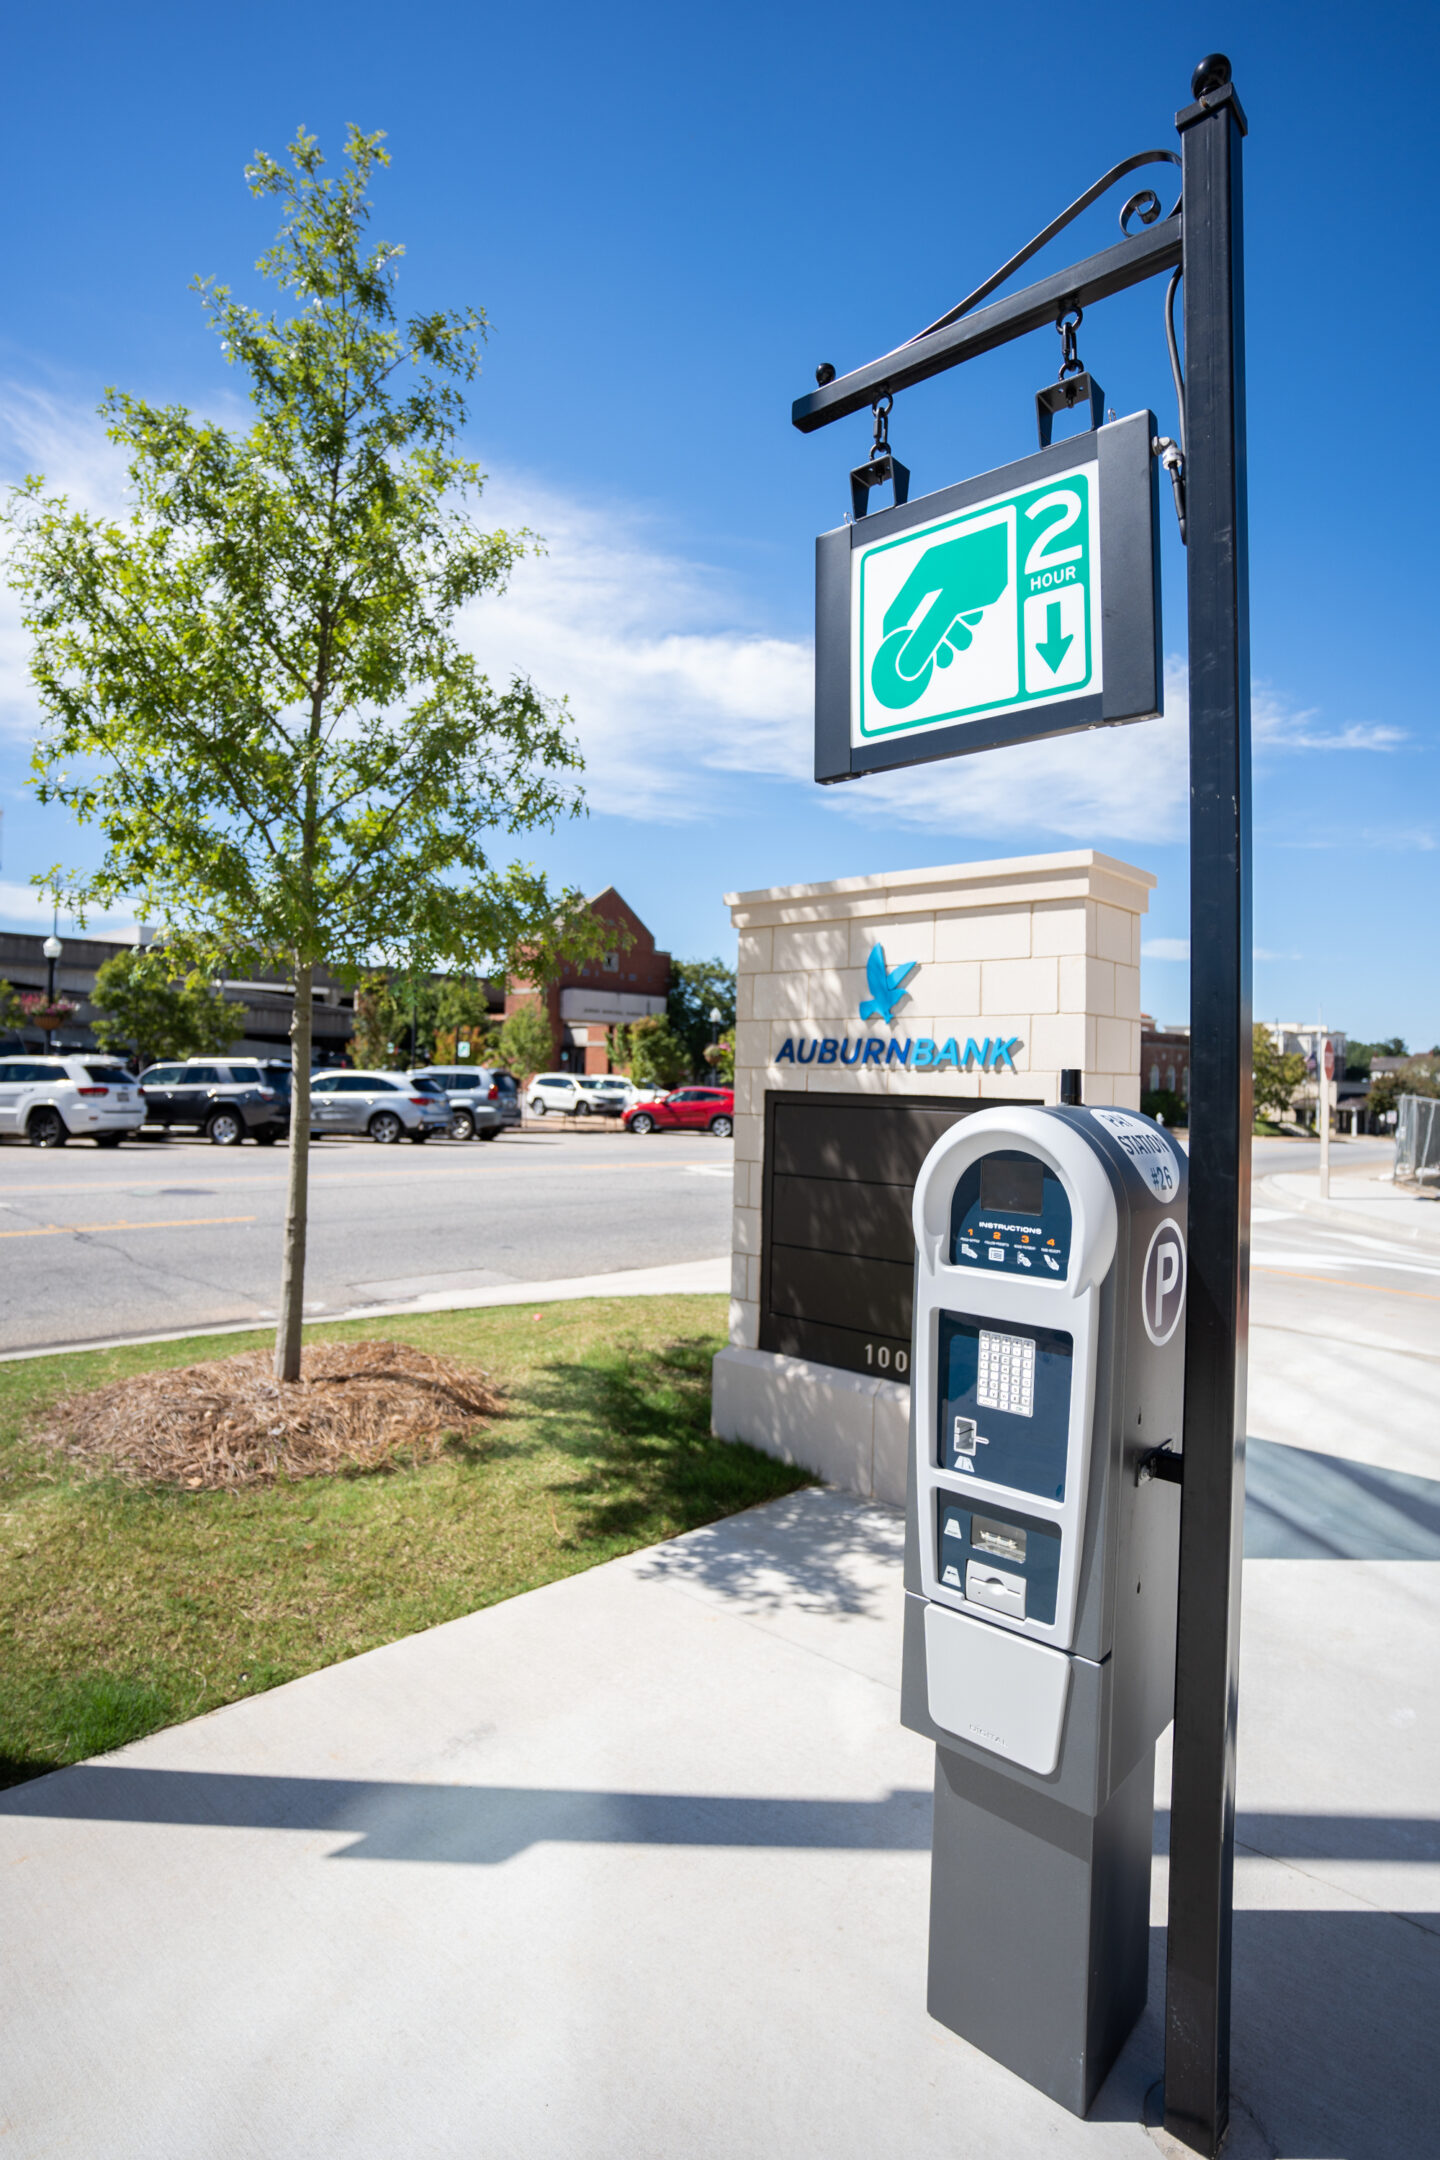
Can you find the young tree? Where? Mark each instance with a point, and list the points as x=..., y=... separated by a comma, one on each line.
x=254, y=688
x=527, y=1043
x=698, y=988
x=1277, y=1074
x=462, y=1014
x=657, y=1057
x=377, y=1024
x=142, y=1009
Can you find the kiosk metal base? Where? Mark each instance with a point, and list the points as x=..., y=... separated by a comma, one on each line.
x=1040, y=1923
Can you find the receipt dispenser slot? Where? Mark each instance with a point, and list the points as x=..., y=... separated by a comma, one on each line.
x=1048, y=1361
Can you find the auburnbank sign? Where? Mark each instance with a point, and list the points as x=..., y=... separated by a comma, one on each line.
x=922, y=1054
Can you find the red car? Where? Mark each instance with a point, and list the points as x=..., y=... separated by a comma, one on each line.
x=688, y=1109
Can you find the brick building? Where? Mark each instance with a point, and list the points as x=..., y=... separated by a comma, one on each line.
x=623, y=985
x=1164, y=1059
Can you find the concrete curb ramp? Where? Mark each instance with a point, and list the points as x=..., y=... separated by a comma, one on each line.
x=1413, y=1222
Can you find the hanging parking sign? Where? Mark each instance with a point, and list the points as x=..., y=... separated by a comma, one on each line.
x=1019, y=604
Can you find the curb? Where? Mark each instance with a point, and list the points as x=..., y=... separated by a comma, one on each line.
x=683, y=1278
x=1343, y=1218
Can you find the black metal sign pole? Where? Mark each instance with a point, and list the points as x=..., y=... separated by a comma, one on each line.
x=1202, y=1806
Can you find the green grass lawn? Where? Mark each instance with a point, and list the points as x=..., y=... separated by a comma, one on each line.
x=125, y=1608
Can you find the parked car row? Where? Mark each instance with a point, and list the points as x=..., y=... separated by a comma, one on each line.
x=49, y=1100
x=642, y=1110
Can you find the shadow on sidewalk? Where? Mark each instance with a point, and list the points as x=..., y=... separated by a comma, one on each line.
x=468, y=1825
x=1301, y=1505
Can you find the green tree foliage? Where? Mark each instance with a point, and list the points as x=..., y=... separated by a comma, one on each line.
x=724, y=1066
x=9, y=1006
x=1417, y=1076
x=1359, y=1056
x=1277, y=1075
x=1166, y=1107
x=657, y=1057
x=389, y=1009
x=143, y=1008
x=527, y=1044
x=698, y=987
x=253, y=687
x=462, y=1012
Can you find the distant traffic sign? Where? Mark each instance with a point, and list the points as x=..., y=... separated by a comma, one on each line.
x=1329, y=1059
x=1023, y=603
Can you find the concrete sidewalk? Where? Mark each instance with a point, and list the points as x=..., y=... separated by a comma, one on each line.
x=635, y=1867
x=1359, y=1200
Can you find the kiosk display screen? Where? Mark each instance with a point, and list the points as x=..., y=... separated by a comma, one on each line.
x=1012, y=1185
x=1010, y=1211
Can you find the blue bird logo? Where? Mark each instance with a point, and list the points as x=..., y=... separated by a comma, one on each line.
x=886, y=991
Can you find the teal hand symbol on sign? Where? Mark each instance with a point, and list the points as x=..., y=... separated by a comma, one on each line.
x=960, y=579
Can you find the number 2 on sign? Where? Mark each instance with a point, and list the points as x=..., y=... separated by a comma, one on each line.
x=1044, y=555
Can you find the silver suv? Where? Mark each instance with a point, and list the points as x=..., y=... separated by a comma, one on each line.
x=482, y=1102
x=387, y=1106
x=49, y=1100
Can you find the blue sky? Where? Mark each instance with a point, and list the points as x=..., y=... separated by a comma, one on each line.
x=670, y=217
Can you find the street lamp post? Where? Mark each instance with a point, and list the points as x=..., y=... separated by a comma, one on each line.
x=52, y=949
x=717, y=1021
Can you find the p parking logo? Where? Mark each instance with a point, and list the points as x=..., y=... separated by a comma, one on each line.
x=1163, y=1286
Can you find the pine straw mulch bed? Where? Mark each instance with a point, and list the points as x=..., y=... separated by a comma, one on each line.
x=229, y=1422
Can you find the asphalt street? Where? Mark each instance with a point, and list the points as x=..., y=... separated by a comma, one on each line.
x=158, y=1236
x=1339, y=1283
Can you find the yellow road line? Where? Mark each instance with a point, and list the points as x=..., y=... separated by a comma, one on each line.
x=82, y=1229
x=1341, y=1282
x=362, y=1177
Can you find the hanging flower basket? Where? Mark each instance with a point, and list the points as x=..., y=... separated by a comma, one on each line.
x=47, y=1013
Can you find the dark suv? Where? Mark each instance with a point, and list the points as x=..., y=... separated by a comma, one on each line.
x=228, y=1099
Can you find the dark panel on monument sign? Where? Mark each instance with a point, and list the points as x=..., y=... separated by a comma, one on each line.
x=882, y=1143
x=842, y=1288
x=833, y=1215
x=838, y=1264
x=852, y=1349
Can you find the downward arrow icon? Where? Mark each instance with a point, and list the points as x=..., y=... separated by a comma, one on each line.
x=1054, y=647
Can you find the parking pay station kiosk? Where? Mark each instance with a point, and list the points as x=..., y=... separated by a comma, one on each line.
x=1041, y=1561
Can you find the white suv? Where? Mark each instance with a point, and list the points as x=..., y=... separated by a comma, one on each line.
x=570, y=1095
x=49, y=1100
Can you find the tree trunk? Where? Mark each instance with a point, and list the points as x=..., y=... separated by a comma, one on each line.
x=289, y=1332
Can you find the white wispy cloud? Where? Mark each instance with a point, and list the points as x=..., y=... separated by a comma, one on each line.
x=1165, y=948
x=1277, y=725
x=22, y=907
x=682, y=701
x=666, y=680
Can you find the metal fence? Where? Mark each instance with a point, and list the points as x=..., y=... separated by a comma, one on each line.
x=1417, y=1137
